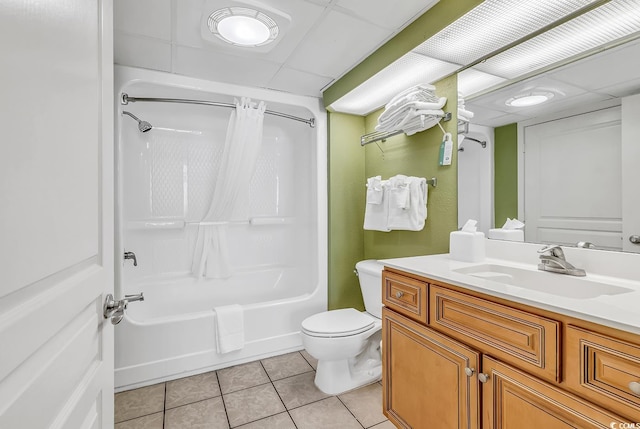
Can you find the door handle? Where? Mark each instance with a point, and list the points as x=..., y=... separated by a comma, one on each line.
x=114, y=310
x=635, y=239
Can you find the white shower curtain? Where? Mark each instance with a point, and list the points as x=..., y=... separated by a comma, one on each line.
x=241, y=148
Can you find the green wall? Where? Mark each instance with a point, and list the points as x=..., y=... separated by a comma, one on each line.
x=350, y=165
x=505, y=173
x=417, y=155
x=346, y=208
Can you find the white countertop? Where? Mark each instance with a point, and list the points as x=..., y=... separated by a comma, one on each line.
x=621, y=311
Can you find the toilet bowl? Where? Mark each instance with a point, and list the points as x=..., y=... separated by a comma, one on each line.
x=346, y=342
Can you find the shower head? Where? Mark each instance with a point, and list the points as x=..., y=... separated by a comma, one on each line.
x=143, y=126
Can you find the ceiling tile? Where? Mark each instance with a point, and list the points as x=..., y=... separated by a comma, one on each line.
x=145, y=17
x=337, y=44
x=392, y=15
x=190, y=15
x=141, y=52
x=223, y=67
x=607, y=69
x=298, y=82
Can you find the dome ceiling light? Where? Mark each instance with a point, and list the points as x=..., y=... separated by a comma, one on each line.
x=242, y=26
x=529, y=99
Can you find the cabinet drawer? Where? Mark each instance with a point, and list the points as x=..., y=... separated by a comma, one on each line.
x=522, y=339
x=602, y=369
x=405, y=295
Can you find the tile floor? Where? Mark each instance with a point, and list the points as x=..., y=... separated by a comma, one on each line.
x=272, y=393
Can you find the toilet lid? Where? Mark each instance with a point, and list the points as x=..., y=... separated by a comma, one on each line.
x=337, y=323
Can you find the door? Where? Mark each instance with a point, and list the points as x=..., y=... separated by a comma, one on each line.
x=631, y=173
x=514, y=399
x=56, y=214
x=425, y=381
x=572, y=180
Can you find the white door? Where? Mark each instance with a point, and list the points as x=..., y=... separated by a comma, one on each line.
x=56, y=213
x=572, y=180
x=631, y=173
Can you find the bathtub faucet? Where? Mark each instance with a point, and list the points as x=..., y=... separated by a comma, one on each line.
x=131, y=255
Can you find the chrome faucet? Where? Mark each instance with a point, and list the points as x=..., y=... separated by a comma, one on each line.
x=555, y=262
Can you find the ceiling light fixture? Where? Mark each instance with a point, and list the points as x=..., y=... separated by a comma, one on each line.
x=529, y=99
x=242, y=26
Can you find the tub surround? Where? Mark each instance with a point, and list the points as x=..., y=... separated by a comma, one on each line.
x=618, y=311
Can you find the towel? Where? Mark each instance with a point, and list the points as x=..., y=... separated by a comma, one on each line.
x=376, y=213
x=412, y=216
x=229, y=328
x=374, y=190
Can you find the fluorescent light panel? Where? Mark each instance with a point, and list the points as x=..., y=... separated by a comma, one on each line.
x=472, y=81
x=409, y=70
x=598, y=27
x=492, y=25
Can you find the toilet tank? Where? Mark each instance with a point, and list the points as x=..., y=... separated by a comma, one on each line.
x=370, y=277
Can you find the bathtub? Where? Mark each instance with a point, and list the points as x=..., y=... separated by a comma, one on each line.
x=277, y=246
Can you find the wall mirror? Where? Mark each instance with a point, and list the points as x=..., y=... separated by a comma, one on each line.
x=572, y=175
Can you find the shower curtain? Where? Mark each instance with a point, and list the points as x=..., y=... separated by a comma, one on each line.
x=241, y=148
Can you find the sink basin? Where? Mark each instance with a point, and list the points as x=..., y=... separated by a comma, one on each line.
x=551, y=283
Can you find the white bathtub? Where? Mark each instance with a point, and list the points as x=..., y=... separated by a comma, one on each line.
x=277, y=251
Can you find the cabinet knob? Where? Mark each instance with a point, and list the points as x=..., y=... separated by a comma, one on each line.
x=399, y=294
x=634, y=386
x=483, y=377
x=469, y=371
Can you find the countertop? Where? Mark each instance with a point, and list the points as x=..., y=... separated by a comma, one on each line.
x=621, y=311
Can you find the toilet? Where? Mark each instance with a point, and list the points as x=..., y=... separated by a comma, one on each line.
x=347, y=342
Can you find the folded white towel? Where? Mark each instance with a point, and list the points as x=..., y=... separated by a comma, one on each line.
x=374, y=190
x=376, y=215
x=465, y=113
x=229, y=328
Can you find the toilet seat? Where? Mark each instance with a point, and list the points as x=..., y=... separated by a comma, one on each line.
x=337, y=323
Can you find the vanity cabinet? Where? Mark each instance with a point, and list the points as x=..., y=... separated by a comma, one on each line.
x=475, y=361
x=429, y=379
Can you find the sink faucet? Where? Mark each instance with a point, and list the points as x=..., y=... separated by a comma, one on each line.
x=552, y=259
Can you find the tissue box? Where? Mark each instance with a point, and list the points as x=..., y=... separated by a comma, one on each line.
x=466, y=246
x=506, y=234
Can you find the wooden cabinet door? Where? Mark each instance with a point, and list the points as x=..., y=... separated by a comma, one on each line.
x=514, y=399
x=425, y=385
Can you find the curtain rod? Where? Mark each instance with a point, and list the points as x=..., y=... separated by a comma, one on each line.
x=126, y=99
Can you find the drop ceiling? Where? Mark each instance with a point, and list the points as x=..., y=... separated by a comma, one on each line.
x=325, y=39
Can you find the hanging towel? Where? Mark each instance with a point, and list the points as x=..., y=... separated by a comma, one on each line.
x=229, y=328
x=376, y=214
x=374, y=190
x=411, y=217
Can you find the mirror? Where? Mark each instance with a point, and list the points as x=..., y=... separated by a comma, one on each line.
x=563, y=166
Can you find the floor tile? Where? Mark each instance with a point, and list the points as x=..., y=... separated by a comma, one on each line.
x=192, y=389
x=299, y=390
x=279, y=421
x=242, y=376
x=384, y=425
x=139, y=402
x=329, y=413
x=208, y=414
x=312, y=361
x=252, y=404
x=365, y=404
x=283, y=366
x=152, y=421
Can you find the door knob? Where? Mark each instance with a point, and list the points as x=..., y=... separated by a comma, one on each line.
x=469, y=371
x=399, y=294
x=635, y=239
x=483, y=377
x=634, y=386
